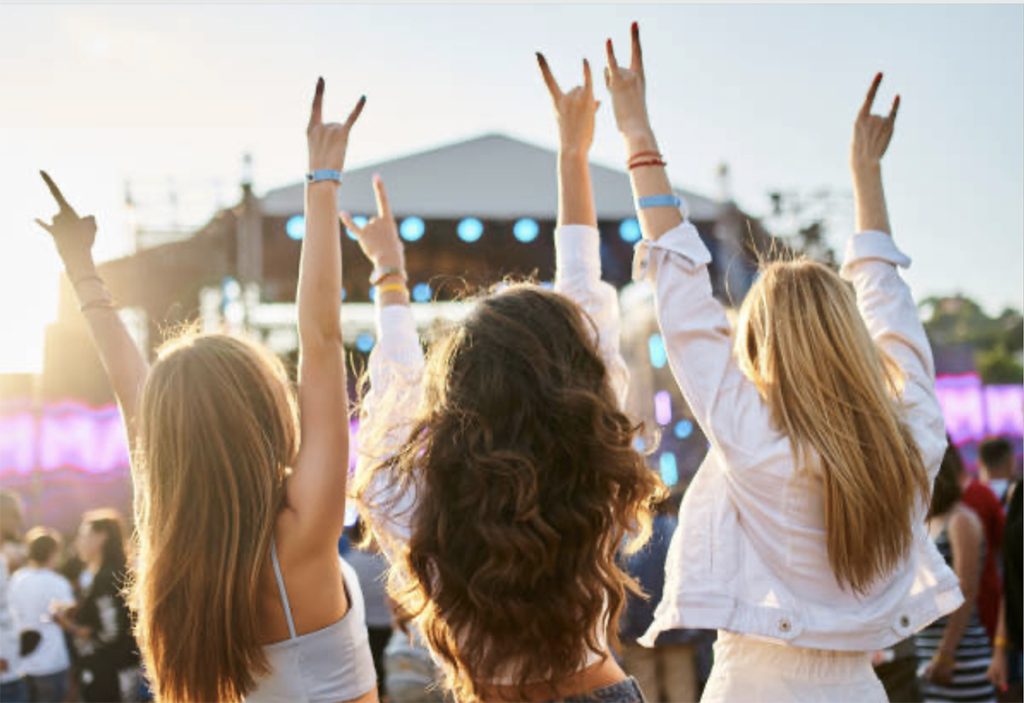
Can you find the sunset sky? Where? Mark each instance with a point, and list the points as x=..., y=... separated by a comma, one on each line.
x=100, y=95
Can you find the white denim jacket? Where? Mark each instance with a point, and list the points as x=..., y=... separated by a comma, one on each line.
x=396, y=381
x=750, y=555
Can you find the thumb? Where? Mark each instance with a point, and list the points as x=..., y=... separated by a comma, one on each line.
x=45, y=226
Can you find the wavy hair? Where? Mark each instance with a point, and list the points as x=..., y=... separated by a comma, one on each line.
x=835, y=394
x=218, y=429
x=527, y=486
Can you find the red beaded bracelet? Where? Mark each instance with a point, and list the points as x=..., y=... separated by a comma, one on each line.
x=653, y=162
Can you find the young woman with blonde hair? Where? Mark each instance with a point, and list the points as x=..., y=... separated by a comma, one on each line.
x=499, y=473
x=802, y=537
x=239, y=489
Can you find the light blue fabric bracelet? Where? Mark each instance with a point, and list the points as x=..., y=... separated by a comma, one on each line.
x=323, y=174
x=668, y=200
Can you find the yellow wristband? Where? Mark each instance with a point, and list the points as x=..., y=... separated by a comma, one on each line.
x=390, y=288
x=1001, y=643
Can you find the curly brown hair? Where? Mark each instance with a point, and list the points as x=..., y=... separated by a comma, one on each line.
x=527, y=486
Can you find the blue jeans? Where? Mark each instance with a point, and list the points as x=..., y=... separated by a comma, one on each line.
x=627, y=691
x=14, y=691
x=52, y=687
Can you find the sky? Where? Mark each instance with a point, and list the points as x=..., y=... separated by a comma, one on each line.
x=159, y=95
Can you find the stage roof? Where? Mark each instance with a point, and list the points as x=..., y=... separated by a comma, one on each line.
x=492, y=176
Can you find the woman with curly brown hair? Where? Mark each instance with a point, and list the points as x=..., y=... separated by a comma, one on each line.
x=499, y=473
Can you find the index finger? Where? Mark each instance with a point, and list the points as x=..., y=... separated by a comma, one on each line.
x=637, y=61
x=383, y=207
x=588, y=81
x=55, y=192
x=870, y=99
x=316, y=113
x=549, y=78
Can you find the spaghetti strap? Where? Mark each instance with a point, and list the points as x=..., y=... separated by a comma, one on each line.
x=281, y=589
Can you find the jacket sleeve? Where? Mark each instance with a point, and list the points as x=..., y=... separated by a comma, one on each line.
x=387, y=412
x=578, y=276
x=887, y=306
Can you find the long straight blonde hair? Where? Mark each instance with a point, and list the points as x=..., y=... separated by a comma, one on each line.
x=218, y=429
x=802, y=341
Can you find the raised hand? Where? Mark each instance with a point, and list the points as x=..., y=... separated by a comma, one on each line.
x=379, y=237
x=329, y=142
x=575, y=110
x=628, y=88
x=872, y=133
x=73, y=235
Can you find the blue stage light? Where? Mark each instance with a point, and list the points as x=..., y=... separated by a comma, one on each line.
x=364, y=342
x=683, y=429
x=669, y=469
x=421, y=292
x=412, y=229
x=296, y=227
x=629, y=230
x=526, y=230
x=656, y=350
x=470, y=229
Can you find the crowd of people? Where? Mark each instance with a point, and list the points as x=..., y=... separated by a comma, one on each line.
x=504, y=506
x=65, y=626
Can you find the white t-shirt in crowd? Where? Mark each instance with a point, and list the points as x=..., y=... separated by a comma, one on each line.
x=31, y=594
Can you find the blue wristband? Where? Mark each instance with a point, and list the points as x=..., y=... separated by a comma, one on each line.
x=669, y=200
x=323, y=174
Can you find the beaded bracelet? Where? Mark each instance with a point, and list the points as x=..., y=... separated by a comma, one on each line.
x=98, y=304
x=390, y=288
x=640, y=154
x=652, y=162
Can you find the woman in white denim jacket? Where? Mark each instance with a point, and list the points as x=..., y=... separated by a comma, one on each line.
x=804, y=565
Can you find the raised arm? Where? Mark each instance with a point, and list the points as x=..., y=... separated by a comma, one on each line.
x=396, y=369
x=125, y=365
x=316, y=490
x=628, y=87
x=884, y=299
x=577, y=240
x=696, y=332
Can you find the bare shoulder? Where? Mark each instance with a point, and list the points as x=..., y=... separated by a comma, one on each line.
x=964, y=523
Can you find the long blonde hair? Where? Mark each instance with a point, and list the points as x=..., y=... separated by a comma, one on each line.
x=802, y=341
x=218, y=429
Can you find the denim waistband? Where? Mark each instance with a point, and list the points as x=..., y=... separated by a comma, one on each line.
x=625, y=691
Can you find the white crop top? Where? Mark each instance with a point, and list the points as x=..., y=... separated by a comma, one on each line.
x=332, y=664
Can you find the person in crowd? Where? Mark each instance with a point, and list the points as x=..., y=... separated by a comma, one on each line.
x=824, y=427
x=500, y=475
x=371, y=567
x=13, y=687
x=1007, y=658
x=107, y=657
x=896, y=668
x=954, y=651
x=670, y=672
x=412, y=675
x=240, y=591
x=12, y=546
x=996, y=457
x=977, y=496
x=36, y=590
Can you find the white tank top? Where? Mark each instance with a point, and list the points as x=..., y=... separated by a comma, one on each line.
x=332, y=664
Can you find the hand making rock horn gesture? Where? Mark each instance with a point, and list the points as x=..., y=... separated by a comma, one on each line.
x=575, y=109
x=872, y=133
